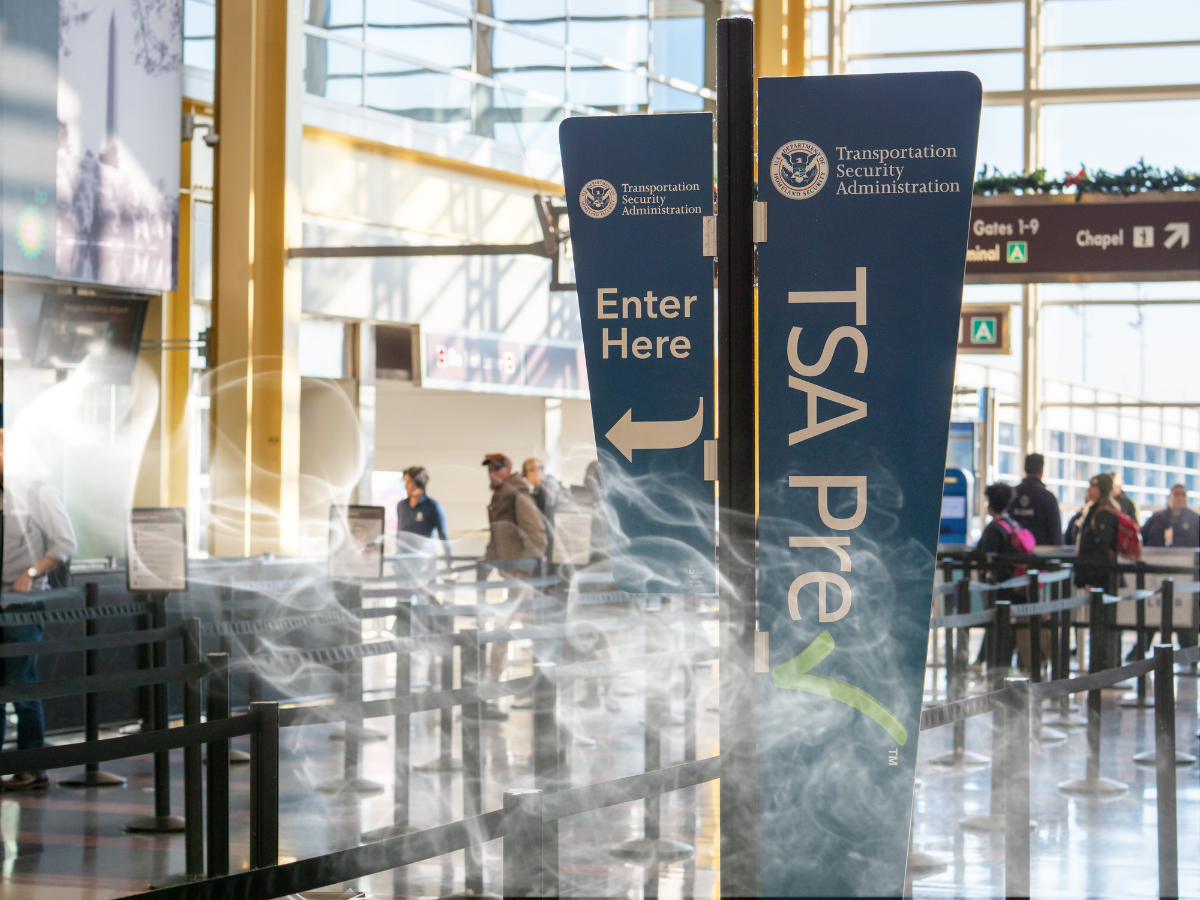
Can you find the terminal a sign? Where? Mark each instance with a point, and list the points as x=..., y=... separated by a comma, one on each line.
x=1022, y=239
x=638, y=189
x=868, y=195
x=984, y=328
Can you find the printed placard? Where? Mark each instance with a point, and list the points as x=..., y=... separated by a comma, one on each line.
x=156, y=550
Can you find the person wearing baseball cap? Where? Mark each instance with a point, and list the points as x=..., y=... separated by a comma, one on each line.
x=518, y=531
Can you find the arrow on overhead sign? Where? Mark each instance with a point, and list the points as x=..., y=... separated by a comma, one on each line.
x=628, y=435
x=1180, y=233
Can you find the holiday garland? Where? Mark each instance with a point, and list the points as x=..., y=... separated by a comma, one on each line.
x=1133, y=180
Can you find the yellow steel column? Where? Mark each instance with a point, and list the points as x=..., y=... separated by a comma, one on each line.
x=255, y=453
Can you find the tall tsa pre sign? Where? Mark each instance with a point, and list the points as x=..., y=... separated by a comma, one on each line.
x=867, y=181
x=638, y=188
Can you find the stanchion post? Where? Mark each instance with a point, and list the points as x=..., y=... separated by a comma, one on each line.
x=162, y=822
x=470, y=674
x=523, y=843
x=353, y=674
x=962, y=651
x=92, y=776
x=402, y=764
x=1016, y=787
x=654, y=709
x=1164, y=734
x=217, y=690
x=692, y=684
x=264, y=785
x=1167, y=622
x=1096, y=663
x=193, y=766
x=549, y=747
x=1001, y=644
x=735, y=458
x=1141, y=628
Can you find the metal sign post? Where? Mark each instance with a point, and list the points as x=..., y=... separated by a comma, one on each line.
x=736, y=458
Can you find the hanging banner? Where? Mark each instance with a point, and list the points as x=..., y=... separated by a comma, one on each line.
x=638, y=188
x=867, y=180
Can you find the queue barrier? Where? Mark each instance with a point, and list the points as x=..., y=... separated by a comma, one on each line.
x=1016, y=705
x=261, y=724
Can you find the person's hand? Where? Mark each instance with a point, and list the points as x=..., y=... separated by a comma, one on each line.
x=23, y=584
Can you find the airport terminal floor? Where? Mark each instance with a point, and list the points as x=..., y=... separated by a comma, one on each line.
x=645, y=696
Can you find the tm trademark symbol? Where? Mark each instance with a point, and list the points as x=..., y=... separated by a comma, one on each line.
x=894, y=757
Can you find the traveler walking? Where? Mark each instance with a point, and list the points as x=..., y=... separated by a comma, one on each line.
x=1121, y=499
x=38, y=538
x=1175, y=526
x=420, y=514
x=1033, y=507
x=1098, y=537
x=517, y=532
x=544, y=491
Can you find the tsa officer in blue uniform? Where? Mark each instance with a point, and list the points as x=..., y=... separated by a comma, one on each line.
x=1033, y=507
x=420, y=514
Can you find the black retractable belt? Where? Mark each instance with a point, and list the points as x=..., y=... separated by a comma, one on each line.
x=92, y=775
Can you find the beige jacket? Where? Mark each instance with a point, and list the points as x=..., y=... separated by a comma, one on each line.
x=518, y=530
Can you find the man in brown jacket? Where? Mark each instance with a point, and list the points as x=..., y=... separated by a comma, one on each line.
x=518, y=532
x=518, y=529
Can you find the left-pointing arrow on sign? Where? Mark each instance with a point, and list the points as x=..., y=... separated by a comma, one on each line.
x=628, y=435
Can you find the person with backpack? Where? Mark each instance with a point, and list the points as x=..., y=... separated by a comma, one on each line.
x=1098, y=538
x=1002, y=537
x=38, y=540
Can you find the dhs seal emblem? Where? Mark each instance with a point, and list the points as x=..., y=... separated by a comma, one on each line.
x=598, y=198
x=799, y=169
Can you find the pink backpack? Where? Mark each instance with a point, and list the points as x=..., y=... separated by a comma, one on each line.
x=1020, y=541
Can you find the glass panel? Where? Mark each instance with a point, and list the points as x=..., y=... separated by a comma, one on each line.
x=1153, y=454
x=1091, y=68
x=448, y=44
x=322, y=348
x=1083, y=445
x=524, y=123
x=1058, y=441
x=1170, y=457
x=1190, y=460
x=929, y=28
x=1129, y=476
x=1119, y=21
x=202, y=235
x=1000, y=130
x=997, y=71
x=1131, y=452
x=199, y=31
x=624, y=39
x=608, y=89
x=417, y=93
x=1007, y=434
x=1116, y=135
x=343, y=81
x=345, y=12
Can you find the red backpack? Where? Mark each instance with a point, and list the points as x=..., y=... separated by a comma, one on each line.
x=1020, y=541
x=1129, y=539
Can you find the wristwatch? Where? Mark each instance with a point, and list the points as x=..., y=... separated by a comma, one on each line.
x=32, y=572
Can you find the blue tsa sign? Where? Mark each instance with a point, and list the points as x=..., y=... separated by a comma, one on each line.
x=867, y=181
x=638, y=189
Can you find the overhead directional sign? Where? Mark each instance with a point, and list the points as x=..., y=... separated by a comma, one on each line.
x=867, y=181
x=1100, y=237
x=638, y=188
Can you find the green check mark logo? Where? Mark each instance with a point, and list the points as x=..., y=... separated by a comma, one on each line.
x=793, y=676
